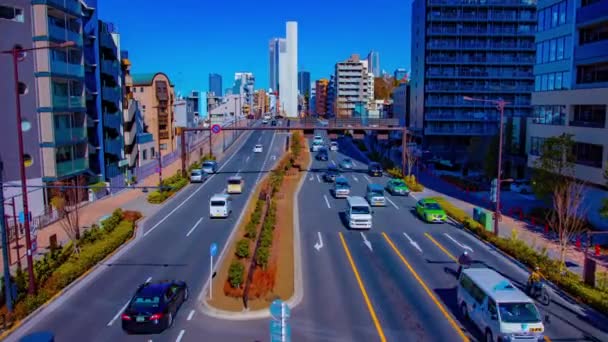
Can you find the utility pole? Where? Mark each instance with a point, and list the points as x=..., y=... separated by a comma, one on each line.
x=160, y=161
x=403, y=147
x=8, y=293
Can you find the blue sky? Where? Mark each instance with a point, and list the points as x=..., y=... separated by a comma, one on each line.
x=188, y=39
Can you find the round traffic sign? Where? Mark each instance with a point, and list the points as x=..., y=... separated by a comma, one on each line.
x=216, y=128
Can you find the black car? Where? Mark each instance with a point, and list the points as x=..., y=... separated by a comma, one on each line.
x=374, y=169
x=322, y=154
x=273, y=123
x=331, y=174
x=154, y=306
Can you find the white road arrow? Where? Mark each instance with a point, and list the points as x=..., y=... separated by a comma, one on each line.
x=311, y=178
x=319, y=244
x=273, y=158
x=366, y=242
x=458, y=243
x=413, y=243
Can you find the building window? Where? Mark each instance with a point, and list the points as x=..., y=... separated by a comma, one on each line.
x=589, y=116
x=536, y=144
x=552, y=81
x=141, y=89
x=11, y=13
x=553, y=16
x=588, y=154
x=594, y=73
x=550, y=115
x=588, y=2
x=593, y=34
x=135, y=89
x=144, y=155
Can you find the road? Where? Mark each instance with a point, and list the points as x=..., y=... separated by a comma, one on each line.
x=398, y=280
x=173, y=245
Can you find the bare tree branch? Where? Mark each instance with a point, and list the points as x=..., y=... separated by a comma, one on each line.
x=410, y=159
x=566, y=217
x=68, y=207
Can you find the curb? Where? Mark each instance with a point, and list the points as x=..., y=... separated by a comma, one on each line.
x=76, y=281
x=206, y=308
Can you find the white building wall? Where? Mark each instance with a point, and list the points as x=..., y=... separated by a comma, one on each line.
x=291, y=99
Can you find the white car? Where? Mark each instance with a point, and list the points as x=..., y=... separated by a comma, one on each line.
x=317, y=140
x=333, y=146
x=265, y=122
x=258, y=148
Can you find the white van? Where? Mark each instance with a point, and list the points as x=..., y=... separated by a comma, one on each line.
x=220, y=205
x=501, y=311
x=358, y=213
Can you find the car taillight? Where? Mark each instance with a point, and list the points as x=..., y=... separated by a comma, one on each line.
x=156, y=317
x=125, y=317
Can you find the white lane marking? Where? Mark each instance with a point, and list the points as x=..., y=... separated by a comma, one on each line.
x=327, y=201
x=355, y=178
x=190, y=315
x=259, y=138
x=118, y=314
x=354, y=165
x=318, y=178
x=181, y=334
x=265, y=160
x=189, y=197
x=391, y=202
x=367, y=242
x=311, y=178
x=319, y=244
x=458, y=243
x=413, y=243
x=367, y=178
x=238, y=172
x=149, y=279
x=194, y=227
x=273, y=157
x=247, y=159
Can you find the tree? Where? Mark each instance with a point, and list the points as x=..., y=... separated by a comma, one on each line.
x=67, y=202
x=565, y=218
x=553, y=165
x=410, y=159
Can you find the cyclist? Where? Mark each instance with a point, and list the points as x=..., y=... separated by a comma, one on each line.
x=534, y=280
x=464, y=261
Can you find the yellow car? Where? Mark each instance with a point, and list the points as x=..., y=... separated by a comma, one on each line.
x=235, y=185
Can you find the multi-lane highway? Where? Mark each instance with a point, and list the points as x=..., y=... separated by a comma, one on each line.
x=173, y=245
x=396, y=282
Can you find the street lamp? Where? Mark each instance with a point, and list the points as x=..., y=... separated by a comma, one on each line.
x=500, y=105
x=17, y=54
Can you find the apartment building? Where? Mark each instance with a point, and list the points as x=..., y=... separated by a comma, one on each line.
x=401, y=101
x=330, y=107
x=261, y=103
x=321, y=88
x=352, y=85
x=103, y=97
x=16, y=25
x=60, y=81
x=480, y=49
x=156, y=96
x=571, y=82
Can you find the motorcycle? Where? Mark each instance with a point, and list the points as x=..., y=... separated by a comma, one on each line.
x=539, y=292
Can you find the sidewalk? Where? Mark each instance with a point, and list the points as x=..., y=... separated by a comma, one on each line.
x=512, y=220
x=128, y=199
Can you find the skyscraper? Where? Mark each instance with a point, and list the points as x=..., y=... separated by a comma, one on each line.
x=274, y=48
x=215, y=84
x=304, y=83
x=482, y=50
x=288, y=72
x=373, y=63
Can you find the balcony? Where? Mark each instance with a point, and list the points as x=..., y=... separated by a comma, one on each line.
x=64, y=69
x=63, y=34
x=68, y=136
x=70, y=6
x=463, y=3
x=107, y=42
x=474, y=130
x=68, y=101
x=110, y=94
x=113, y=146
x=144, y=138
x=592, y=13
x=163, y=135
x=475, y=117
x=110, y=67
x=590, y=124
x=72, y=166
x=591, y=53
x=112, y=120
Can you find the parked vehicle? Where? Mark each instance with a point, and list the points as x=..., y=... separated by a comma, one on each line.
x=358, y=213
x=430, y=211
x=500, y=310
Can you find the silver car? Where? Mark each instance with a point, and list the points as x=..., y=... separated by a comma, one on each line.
x=197, y=176
x=210, y=166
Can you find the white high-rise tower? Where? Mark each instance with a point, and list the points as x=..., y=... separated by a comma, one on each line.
x=288, y=72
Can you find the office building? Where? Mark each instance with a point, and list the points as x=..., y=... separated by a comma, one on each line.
x=139, y=145
x=400, y=74
x=16, y=25
x=304, y=83
x=352, y=85
x=373, y=63
x=401, y=104
x=156, y=95
x=313, y=100
x=261, y=103
x=193, y=101
x=103, y=97
x=275, y=46
x=60, y=81
x=244, y=85
x=330, y=104
x=571, y=83
x=481, y=50
x=215, y=84
x=321, y=89
x=288, y=72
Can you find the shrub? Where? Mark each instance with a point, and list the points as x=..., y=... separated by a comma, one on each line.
x=266, y=238
x=361, y=145
x=207, y=157
x=242, y=248
x=156, y=197
x=263, y=256
x=412, y=183
x=520, y=250
x=251, y=230
x=131, y=215
x=236, y=274
x=111, y=222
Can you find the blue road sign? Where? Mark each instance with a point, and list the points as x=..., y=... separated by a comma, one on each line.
x=279, y=310
x=277, y=334
x=216, y=128
x=213, y=249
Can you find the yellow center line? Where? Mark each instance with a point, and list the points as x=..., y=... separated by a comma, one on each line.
x=426, y=289
x=368, y=302
x=440, y=247
x=547, y=338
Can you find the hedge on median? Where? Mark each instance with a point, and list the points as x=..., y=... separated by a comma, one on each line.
x=59, y=268
x=520, y=250
x=410, y=181
x=172, y=185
